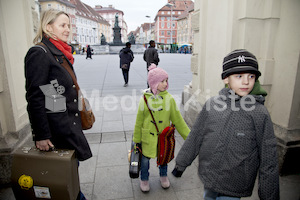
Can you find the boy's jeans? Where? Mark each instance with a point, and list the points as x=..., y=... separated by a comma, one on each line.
x=211, y=195
x=163, y=169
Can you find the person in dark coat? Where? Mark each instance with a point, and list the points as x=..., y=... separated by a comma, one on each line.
x=60, y=129
x=126, y=57
x=151, y=55
x=88, y=52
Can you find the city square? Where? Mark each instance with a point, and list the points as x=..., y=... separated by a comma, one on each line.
x=249, y=131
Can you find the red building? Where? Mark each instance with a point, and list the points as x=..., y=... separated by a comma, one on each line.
x=165, y=23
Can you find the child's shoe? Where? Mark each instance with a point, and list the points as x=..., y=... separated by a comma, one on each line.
x=144, y=185
x=164, y=181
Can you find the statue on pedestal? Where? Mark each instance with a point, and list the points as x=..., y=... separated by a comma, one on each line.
x=116, y=21
x=117, y=32
x=131, y=38
x=103, y=39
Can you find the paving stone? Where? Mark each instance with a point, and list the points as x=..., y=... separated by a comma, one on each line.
x=87, y=170
x=112, y=154
x=112, y=183
x=114, y=115
x=113, y=137
x=129, y=122
x=87, y=190
x=112, y=126
x=93, y=138
x=193, y=194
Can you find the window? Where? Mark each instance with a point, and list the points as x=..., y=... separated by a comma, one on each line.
x=57, y=7
x=168, y=32
x=162, y=33
x=173, y=12
x=162, y=40
x=162, y=18
x=168, y=25
x=179, y=12
x=162, y=12
x=49, y=5
x=173, y=25
x=162, y=24
x=168, y=18
x=169, y=12
x=62, y=8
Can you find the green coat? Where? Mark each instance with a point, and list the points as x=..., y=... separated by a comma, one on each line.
x=164, y=110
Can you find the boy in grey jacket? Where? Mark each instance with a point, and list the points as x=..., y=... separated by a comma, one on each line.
x=233, y=136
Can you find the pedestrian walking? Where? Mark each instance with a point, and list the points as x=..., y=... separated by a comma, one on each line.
x=151, y=55
x=164, y=110
x=126, y=57
x=233, y=137
x=89, y=52
x=61, y=129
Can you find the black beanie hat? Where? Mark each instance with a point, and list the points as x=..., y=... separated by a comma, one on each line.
x=240, y=61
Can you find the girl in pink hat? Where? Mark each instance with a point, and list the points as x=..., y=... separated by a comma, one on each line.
x=164, y=110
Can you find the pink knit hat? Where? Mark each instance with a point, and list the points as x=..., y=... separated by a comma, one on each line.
x=155, y=76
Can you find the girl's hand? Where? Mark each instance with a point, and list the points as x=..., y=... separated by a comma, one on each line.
x=44, y=145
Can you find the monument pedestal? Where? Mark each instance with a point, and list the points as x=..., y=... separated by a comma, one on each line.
x=117, y=37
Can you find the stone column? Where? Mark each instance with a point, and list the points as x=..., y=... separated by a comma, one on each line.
x=269, y=29
x=16, y=35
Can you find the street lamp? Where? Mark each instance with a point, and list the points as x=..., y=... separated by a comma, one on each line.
x=150, y=24
x=171, y=6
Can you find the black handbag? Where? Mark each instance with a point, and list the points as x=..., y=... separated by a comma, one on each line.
x=135, y=160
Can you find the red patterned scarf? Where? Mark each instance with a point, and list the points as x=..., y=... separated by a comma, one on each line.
x=63, y=47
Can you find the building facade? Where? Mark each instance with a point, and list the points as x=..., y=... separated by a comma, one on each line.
x=165, y=21
x=109, y=14
x=89, y=24
x=184, y=27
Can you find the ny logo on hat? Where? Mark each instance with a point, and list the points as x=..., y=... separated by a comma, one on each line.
x=241, y=59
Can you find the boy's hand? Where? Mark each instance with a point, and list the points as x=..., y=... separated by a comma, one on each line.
x=177, y=173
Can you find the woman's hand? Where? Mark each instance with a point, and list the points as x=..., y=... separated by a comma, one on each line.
x=44, y=145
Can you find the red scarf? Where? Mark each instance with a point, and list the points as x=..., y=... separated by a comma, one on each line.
x=63, y=47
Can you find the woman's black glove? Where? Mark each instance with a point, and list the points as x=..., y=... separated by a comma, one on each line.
x=177, y=173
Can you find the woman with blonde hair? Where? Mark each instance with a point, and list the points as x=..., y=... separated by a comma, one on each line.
x=44, y=67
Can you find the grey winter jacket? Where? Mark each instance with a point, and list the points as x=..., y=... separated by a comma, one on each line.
x=234, y=141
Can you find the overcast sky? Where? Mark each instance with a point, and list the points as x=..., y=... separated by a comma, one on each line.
x=134, y=10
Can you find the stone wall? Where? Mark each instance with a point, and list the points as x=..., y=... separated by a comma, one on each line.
x=17, y=22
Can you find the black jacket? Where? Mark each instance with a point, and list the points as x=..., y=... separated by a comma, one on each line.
x=151, y=56
x=62, y=128
x=126, y=56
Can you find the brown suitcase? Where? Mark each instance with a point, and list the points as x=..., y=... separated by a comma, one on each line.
x=45, y=175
